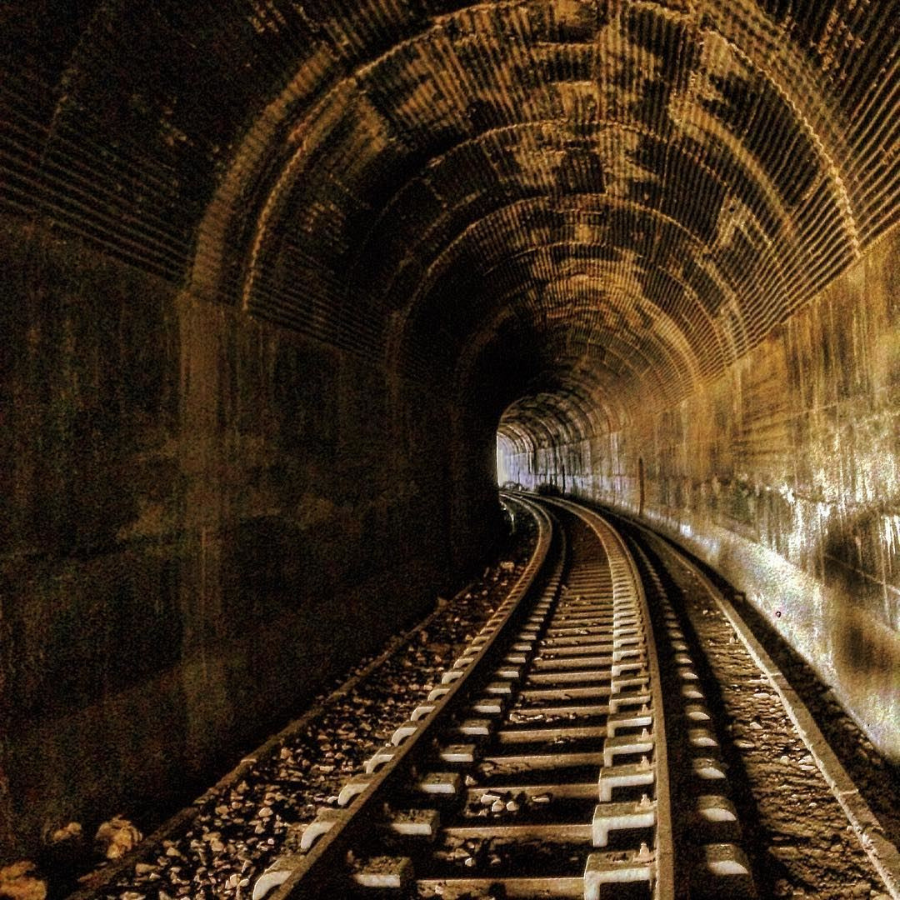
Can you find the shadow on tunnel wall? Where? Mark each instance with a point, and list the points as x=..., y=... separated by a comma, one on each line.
x=202, y=521
x=858, y=561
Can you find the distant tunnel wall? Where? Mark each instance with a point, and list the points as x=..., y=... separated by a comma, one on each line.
x=784, y=474
x=203, y=519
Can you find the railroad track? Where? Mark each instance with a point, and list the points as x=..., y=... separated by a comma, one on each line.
x=568, y=752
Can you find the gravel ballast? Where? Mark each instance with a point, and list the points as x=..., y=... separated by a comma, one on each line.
x=803, y=842
x=219, y=846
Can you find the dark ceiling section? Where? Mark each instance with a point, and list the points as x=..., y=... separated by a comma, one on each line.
x=632, y=193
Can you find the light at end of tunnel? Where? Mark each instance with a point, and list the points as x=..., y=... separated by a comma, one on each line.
x=504, y=451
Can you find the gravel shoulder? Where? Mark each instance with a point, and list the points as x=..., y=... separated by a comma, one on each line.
x=804, y=844
x=219, y=846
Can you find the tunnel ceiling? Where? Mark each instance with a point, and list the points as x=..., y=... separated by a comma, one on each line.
x=578, y=206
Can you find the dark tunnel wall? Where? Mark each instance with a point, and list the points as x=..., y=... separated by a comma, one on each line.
x=272, y=270
x=203, y=518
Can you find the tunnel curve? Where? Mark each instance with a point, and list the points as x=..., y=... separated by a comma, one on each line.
x=710, y=140
x=665, y=181
x=788, y=225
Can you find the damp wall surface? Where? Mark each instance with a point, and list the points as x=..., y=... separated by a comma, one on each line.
x=784, y=474
x=202, y=521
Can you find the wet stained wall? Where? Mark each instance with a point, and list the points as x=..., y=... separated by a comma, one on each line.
x=202, y=520
x=785, y=475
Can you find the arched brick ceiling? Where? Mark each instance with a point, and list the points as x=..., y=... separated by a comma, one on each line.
x=602, y=202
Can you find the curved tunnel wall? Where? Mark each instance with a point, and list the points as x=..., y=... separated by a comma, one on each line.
x=274, y=271
x=783, y=475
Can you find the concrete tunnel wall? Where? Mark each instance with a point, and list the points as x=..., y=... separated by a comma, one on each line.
x=204, y=518
x=273, y=271
x=783, y=474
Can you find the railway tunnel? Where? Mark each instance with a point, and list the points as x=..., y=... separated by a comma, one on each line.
x=282, y=281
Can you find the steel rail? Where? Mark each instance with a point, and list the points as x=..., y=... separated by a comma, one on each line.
x=316, y=871
x=884, y=856
x=616, y=549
